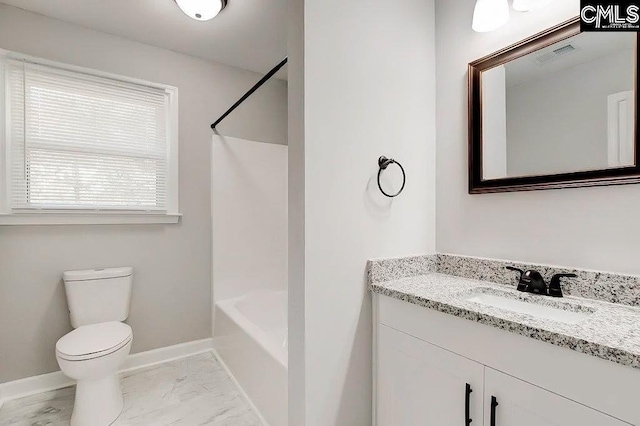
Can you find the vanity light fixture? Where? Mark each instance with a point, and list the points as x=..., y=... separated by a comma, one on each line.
x=490, y=15
x=527, y=5
x=202, y=10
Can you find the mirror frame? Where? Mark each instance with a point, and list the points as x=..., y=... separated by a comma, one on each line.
x=602, y=177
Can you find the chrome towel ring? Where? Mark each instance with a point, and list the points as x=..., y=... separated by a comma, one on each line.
x=383, y=163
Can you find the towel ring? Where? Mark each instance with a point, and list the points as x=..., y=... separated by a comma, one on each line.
x=383, y=163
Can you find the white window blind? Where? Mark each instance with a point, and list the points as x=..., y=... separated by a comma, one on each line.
x=84, y=142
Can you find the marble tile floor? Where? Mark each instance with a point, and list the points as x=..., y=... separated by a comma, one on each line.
x=189, y=391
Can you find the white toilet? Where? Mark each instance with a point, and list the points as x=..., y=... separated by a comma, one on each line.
x=91, y=354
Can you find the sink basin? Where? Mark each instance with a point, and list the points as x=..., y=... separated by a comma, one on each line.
x=536, y=306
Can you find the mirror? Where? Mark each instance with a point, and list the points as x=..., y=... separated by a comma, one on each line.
x=553, y=111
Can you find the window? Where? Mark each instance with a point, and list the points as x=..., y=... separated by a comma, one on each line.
x=84, y=143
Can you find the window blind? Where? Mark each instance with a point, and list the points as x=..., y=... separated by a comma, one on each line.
x=85, y=142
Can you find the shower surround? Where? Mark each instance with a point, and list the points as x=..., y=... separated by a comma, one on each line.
x=249, y=214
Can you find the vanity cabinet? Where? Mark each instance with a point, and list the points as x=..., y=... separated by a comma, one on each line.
x=424, y=363
x=522, y=404
x=422, y=384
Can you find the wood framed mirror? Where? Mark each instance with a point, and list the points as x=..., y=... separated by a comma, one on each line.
x=556, y=110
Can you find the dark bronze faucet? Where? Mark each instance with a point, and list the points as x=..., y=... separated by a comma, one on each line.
x=532, y=282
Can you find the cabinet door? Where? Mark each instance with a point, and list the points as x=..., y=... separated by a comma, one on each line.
x=523, y=404
x=418, y=384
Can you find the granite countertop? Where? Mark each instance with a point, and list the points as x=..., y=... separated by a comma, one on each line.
x=611, y=331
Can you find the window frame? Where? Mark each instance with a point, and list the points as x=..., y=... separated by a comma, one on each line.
x=44, y=216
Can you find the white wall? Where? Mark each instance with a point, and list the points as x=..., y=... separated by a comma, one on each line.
x=296, y=211
x=172, y=288
x=583, y=227
x=367, y=84
x=558, y=122
x=249, y=212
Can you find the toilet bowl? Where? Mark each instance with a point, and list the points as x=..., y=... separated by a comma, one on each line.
x=92, y=355
x=98, y=300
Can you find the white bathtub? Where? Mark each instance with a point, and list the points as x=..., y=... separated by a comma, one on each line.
x=250, y=335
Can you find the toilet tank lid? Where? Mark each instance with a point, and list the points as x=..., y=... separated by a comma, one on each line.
x=97, y=274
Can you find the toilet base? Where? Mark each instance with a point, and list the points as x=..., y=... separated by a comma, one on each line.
x=98, y=402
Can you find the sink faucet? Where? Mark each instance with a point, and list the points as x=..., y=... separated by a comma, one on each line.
x=555, y=289
x=532, y=282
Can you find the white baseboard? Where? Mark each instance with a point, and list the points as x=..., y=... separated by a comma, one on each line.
x=166, y=354
x=57, y=380
x=235, y=382
x=33, y=385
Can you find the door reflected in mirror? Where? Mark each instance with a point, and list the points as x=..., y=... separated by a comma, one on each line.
x=568, y=107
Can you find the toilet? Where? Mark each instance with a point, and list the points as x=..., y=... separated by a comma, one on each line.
x=94, y=351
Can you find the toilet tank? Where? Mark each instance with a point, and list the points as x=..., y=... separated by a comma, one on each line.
x=98, y=295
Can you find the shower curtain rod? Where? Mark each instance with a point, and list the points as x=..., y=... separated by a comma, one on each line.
x=251, y=91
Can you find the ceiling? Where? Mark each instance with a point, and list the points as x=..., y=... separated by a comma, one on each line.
x=249, y=34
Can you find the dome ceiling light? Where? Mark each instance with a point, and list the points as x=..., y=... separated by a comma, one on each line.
x=202, y=10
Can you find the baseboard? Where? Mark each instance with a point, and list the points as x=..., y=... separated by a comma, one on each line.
x=166, y=354
x=33, y=385
x=57, y=380
x=235, y=382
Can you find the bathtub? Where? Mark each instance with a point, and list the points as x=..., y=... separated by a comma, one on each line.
x=250, y=335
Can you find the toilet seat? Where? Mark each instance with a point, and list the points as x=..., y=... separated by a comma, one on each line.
x=94, y=341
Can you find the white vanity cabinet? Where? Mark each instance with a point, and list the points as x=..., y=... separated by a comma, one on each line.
x=522, y=404
x=422, y=384
x=424, y=360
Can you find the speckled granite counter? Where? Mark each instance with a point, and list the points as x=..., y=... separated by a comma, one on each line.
x=611, y=331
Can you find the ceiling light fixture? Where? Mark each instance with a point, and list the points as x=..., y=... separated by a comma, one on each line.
x=490, y=15
x=527, y=5
x=202, y=10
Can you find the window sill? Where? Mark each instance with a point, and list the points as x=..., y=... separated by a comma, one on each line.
x=87, y=218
